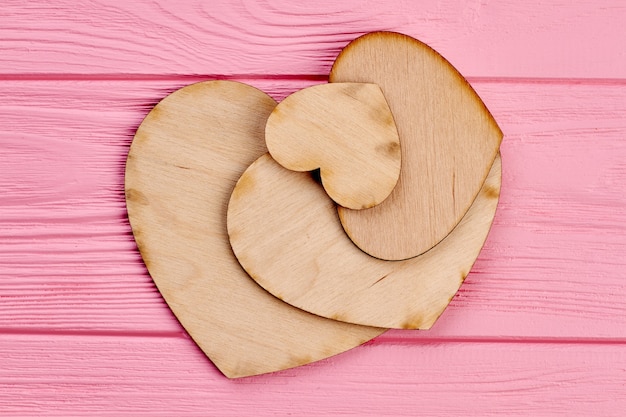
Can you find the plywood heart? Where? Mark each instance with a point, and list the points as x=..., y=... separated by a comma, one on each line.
x=300, y=253
x=346, y=130
x=448, y=140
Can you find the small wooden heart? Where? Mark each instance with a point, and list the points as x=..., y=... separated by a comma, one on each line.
x=182, y=166
x=346, y=130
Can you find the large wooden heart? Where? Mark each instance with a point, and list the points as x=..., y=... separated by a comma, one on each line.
x=182, y=167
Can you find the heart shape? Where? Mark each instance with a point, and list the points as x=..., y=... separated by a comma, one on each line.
x=182, y=166
x=449, y=141
x=346, y=130
x=314, y=265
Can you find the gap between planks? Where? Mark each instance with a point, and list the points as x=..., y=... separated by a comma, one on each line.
x=392, y=337
x=191, y=78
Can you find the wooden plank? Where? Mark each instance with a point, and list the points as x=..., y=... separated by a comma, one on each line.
x=67, y=256
x=487, y=38
x=111, y=376
x=553, y=264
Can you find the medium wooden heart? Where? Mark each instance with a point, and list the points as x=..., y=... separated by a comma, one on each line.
x=182, y=166
x=285, y=232
x=448, y=138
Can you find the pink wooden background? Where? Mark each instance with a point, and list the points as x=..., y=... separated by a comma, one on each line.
x=539, y=327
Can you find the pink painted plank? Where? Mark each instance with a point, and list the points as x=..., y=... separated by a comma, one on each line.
x=560, y=230
x=553, y=265
x=67, y=256
x=492, y=38
x=120, y=376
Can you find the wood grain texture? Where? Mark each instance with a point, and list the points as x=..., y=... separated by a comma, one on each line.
x=182, y=165
x=69, y=262
x=314, y=265
x=347, y=131
x=448, y=138
x=111, y=376
x=486, y=38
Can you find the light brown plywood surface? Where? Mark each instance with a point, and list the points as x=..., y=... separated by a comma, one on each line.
x=346, y=130
x=182, y=166
x=448, y=141
x=285, y=232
